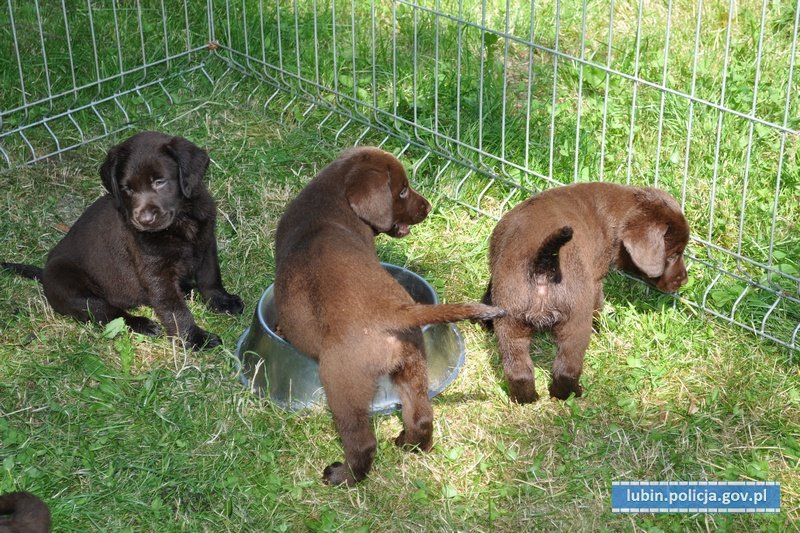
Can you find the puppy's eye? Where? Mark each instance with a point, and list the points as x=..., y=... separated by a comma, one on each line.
x=126, y=190
x=404, y=192
x=673, y=258
x=159, y=182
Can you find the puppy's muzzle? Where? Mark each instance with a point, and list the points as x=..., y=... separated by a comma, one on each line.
x=418, y=209
x=424, y=209
x=150, y=218
x=672, y=283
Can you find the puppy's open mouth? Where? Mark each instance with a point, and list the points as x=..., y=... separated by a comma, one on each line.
x=400, y=229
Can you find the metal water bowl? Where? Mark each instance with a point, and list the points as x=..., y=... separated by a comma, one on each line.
x=272, y=367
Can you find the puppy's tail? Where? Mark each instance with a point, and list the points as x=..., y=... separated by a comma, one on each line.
x=28, y=271
x=414, y=316
x=545, y=266
x=22, y=511
x=487, y=323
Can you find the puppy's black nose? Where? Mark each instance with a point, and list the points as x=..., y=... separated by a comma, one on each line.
x=145, y=216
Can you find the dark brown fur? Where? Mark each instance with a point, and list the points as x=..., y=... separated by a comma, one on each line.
x=337, y=304
x=146, y=243
x=22, y=512
x=548, y=258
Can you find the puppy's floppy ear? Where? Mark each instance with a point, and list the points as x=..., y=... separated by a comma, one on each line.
x=192, y=163
x=108, y=174
x=644, y=241
x=369, y=196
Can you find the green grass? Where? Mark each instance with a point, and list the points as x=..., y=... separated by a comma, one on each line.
x=119, y=432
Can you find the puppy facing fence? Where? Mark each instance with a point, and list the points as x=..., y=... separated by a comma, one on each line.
x=548, y=258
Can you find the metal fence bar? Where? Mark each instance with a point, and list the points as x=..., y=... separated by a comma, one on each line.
x=751, y=129
x=635, y=91
x=662, y=99
x=117, y=38
x=576, y=166
x=43, y=49
x=606, y=91
x=18, y=57
x=720, y=117
x=556, y=56
x=786, y=108
x=529, y=88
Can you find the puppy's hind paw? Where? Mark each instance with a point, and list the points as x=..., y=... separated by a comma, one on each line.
x=522, y=391
x=202, y=340
x=561, y=388
x=337, y=474
x=403, y=442
x=226, y=303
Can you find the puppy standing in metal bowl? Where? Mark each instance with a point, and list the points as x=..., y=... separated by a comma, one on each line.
x=336, y=303
x=272, y=367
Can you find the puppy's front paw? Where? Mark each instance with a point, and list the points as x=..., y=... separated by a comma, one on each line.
x=143, y=326
x=562, y=387
x=200, y=339
x=522, y=390
x=226, y=303
x=337, y=474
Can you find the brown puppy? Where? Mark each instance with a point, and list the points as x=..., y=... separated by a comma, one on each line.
x=22, y=512
x=146, y=243
x=548, y=257
x=337, y=304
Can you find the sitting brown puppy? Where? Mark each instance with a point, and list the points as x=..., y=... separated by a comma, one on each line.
x=146, y=243
x=337, y=304
x=22, y=512
x=548, y=257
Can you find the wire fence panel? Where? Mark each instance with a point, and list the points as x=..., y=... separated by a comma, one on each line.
x=66, y=66
x=509, y=97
